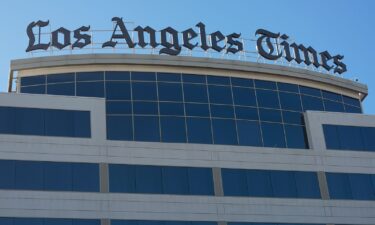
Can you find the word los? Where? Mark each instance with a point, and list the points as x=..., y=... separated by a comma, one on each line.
x=268, y=45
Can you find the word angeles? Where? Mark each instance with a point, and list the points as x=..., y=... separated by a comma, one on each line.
x=169, y=42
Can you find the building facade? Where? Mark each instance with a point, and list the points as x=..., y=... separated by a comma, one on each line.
x=118, y=139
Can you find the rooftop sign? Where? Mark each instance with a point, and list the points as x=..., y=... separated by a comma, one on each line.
x=269, y=45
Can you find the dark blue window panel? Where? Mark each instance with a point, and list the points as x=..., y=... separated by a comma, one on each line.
x=175, y=180
x=218, y=80
x=270, y=115
x=234, y=182
x=191, y=78
x=33, y=80
x=307, y=184
x=339, y=186
x=199, y=130
x=117, y=90
x=144, y=91
x=273, y=135
x=146, y=128
x=368, y=137
x=361, y=186
x=263, y=84
x=249, y=133
x=60, y=78
x=352, y=109
x=117, y=75
x=86, y=222
x=150, y=222
x=57, y=176
x=168, y=108
x=223, y=111
x=144, y=76
x=28, y=221
x=351, y=101
x=148, y=179
x=124, y=222
x=118, y=107
x=38, y=89
x=61, y=89
x=331, y=136
x=247, y=113
x=7, y=120
x=58, y=222
x=296, y=136
x=350, y=138
x=284, y=184
x=293, y=117
x=259, y=183
x=90, y=76
x=59, y=123
x=85, y=177
x=288, y=87
x=242, y=82
x=220, y=94
x=82, y=124
x=119, y=128
x=90, y=89
x=122, y=178
x=290, y=101
x=173, y=129
x=332, y=96
x=6, y=221
x=145, y=108
x=29, y=175
x=170, y=91
x=310, y=91
x=29, y=121
x=333, y=106
x=7, y=174
x=200, y=181
x=224, y=131
x=170, y=77
x=244, y=96
x=312, y=103
x=268, y=99
x=195, y=93
x=193, y=109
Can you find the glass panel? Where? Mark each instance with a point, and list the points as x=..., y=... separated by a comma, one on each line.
x=29, y=121
x=249, y=133
x=90, y=76
x=352, y=109
x=273, y=135
x=270, y=115
x=170, y=91
x=339, y=186
x=122, y=178
x=86, y=222
x=290, y=101
x=310, y=91
x=90, y=89
x=118, y=107
x=61, y=89
x=57, y=222
x=191, y=78
x=331, y=136
x=200, y=181
x=234, y=182
x=7, y=174
x=117, y=90
x=333, y=106
x=218, y=80
x=146, y=128
x=175, y=180
x=351, y=101
x=263, y=84
x=220, y=94
x=144, y=91
x=144, y=76
x=82, y=124
x=199, y=130
x=148, y=179
x=173, y=129
x=85, y=177
x=259, y=183
x=268, y=99
x=6, y=221
x=242, y=82
x=170, y=77
x=59, y=123
x=124, y=222
x=60, y=78
x=168, y=108
x=361, y=186
x=33, y=80
x=117, y=75
x=195, y=93
x=247, y=113
x=28, y=221
x=29, y=175
x=293, y=117
x=368, y=137
x=244, y=96
x=193, y=109
x=332, y=96
x=224, y=131
x=145, y=108
x=288, y=87
x=296, y=136
x=7, y=120
x=350, y=138
x=312, y=103
x=283, y=184
x=57, y=176
x=222, y=111
x=307, y=184
x=119, y=128
x=38, y=89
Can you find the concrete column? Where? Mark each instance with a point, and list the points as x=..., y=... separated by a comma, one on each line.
x=218, y=184
x=105, y=222
x=323, y=186
x=104, y=178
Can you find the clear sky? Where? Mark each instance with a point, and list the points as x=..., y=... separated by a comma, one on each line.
x=340, y=26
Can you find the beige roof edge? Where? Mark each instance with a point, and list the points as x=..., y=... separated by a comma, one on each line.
x=197, y=62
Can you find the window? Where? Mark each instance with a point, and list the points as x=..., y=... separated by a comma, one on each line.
x=218, y=80
x=290, y=101
x=270, y=115
x=310, y=91
x=145, y=108
x=312, y=103
x=220, y=94
x=249, y=133
x=173, y=129
x=7, y=174
x=200, y=181
x=247, y=113
x=116, y=90
x=263, y=84
x=144, y=91
x=192, y=78
x=148, y=179
x=170, y=91
x=224, y=131
x=33, y=80
x=117, y=75
x=122, y=178
x=171, y=108
x=61, y=89
x=118, y=107
x=339, y=186
x=222, y=111
x=85, y=177
x=259, y=183
x=296, y=136
x=29, y=121
x=307, y=184
x=38, y=89
x=29, y=175
x=288, y=87
x=273, y=135
x=268, y=99
x=333, y=106
x=195, y=93
x=194, y=109
x=119, y=128
x=170, y=77
x=199, y=130
x=143, y=76
x=90, y=89
x=244, y=96
x=242, y=82
x=234, y=182
x=90, y=76
x=57, y=176
x=284, y=184
x=175, y=180
x=146, y=128
x=61, y=78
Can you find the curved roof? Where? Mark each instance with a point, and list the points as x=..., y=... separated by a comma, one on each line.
x=200, y=65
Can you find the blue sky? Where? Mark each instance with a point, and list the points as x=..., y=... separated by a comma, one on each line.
x=340, y=26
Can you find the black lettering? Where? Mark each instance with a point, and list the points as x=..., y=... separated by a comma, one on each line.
x=325, y=57
x=187, y=36
x=307, y=52
x=340, y=66
x=202, y=33
x=216, y=37
x=232, y=42
x=170, y=48
x=86, y=38
x=124, y=34
x=29, y=30
x=141, y=36
x=55, y=38
x=270, y=54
